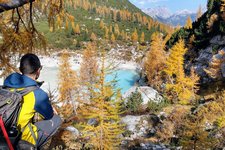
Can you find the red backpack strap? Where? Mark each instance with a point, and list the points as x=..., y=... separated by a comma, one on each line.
x=5, y=134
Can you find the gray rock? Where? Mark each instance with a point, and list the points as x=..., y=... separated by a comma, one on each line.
x=218, y=40
x=73, y=130
x=223, y=70
x=92, y=121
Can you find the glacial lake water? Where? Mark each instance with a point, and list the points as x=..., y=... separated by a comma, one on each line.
x=125, y=78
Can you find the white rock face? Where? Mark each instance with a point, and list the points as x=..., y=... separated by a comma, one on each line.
x=147, y=93
x=137, y=125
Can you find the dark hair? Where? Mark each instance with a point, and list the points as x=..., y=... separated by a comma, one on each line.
x=29, y=64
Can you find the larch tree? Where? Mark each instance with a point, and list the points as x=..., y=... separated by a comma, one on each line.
x=77, y=29
x=106, y=36
x=101, y=24
x=188, y=24
x=222, y=9
x=113, y=38
x=142, y=38
x=68, y=86
x=88, y=71
x=116, y=29
x=19, y=34
x=104, y=107
x=93, y=37
x=199, y=12
x=110, y=29
x=134, y=36
x=179, y=86
x=155, y=61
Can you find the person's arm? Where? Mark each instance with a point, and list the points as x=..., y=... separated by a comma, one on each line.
x=42, y=104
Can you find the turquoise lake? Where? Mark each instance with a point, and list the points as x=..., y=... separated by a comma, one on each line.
x=125, y=78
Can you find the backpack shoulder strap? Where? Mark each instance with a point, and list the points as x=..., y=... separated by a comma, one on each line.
x=27, y=90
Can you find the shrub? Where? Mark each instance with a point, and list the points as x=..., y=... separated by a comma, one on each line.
x=134, y=102
x=156, y=107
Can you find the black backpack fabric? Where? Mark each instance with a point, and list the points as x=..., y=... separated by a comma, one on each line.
x=10, y=104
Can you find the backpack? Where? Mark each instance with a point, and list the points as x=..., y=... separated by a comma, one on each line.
x=10, y=105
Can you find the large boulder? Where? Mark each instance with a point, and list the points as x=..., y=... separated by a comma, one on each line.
x=147, y=93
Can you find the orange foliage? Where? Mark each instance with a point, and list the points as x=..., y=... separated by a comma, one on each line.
x=67, y=86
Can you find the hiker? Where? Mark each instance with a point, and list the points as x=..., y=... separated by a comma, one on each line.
x=37, y=101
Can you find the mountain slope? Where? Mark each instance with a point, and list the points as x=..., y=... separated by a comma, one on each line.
x=88, y=14
x=204, y=40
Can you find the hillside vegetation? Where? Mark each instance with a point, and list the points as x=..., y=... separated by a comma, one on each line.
x=205, y=43
x=85, y=20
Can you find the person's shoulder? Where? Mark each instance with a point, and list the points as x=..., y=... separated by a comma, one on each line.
x=40, y=95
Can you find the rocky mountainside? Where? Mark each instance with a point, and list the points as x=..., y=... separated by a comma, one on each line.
x=206, y=41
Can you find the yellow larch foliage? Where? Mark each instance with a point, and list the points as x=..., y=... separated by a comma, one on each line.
x=67, y=86
x=213, y=18
x=134, y=36
x=123, y=34
x=3, y=1
x=113, y=38
x=222, y=6
x=59, y=22
x=88, y=70
x=110, y=29
x=142, y=38
x=104, y=107
x=191, y=41
x=106, y=33
x=116, y=29
x=77, y=29
x=93, y=37
x=188, y=24
x=114, y=15
x=180, y=86
x=155, y=61
x=101, y=24
x=199, y=12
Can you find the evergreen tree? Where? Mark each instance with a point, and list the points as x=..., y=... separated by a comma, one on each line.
x=134, y=102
